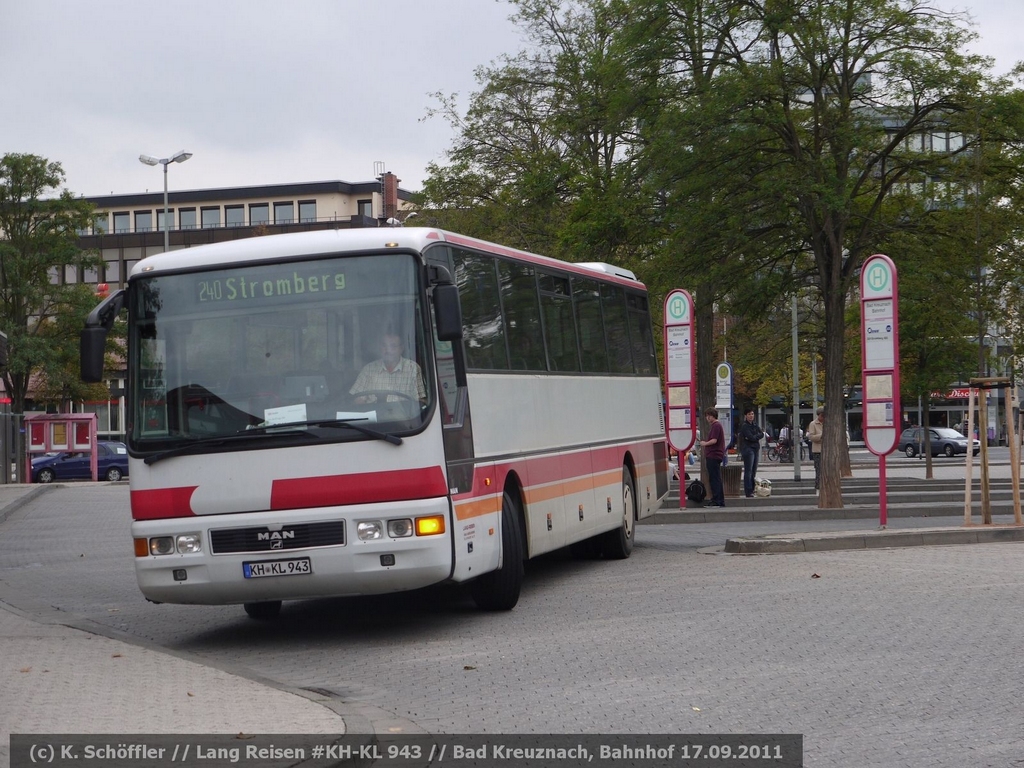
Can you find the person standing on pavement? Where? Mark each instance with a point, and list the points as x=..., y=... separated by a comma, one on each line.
x=750, y=447
x=784, y=443
x=814, y=432
x=714, y=453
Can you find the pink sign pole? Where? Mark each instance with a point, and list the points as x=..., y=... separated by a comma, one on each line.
x=880, y=364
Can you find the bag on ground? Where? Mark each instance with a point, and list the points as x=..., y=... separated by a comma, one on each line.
x=762, y=487
x=696, y=491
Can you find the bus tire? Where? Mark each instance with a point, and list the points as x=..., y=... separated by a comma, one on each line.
x=618, y=544
x=263, y=611
x=499, y=590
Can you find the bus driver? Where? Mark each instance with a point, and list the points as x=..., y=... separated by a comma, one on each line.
x=391, y=373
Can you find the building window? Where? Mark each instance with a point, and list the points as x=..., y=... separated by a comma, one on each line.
x=101, y=225
x=259, y=213
x=307, y=210
x=143, y=221
x=234, y=215
x=365, y=208
x=122, y=222
x=70, y=275
x=91, y=275
x=112, y=271
x=284, y=213
x=211, y=217
x=187, y=218
x=160, y=219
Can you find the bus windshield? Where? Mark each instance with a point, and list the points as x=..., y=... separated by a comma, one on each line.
x=262, y=350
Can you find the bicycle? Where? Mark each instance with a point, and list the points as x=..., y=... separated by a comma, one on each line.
x=779, y=452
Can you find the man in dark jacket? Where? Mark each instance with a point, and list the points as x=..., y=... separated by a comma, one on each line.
x=749, y=439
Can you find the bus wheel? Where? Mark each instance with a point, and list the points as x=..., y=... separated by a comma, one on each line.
x=618, y=544
x=263, y=611
x=499, y=590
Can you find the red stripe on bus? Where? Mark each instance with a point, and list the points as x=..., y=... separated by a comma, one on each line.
x=559, y=468
x=158, y=503
x=360, y=488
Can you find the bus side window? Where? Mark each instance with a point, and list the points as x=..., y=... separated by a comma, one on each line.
x=522, y=316
x=484, y=333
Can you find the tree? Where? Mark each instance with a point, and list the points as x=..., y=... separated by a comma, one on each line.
x=58, y=382
x=39, y=223
x=814, y=109
x=543, y=156
x=749, y=150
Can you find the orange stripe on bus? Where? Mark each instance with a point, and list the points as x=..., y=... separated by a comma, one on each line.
x=469, y=509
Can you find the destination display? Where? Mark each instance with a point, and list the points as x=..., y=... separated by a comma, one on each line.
x=277, y=284
x=249, y=286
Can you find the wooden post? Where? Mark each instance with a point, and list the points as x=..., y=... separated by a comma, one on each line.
x=1011, y=439
x=983, y=386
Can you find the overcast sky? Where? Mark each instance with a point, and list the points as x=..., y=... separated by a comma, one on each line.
x=262, y=92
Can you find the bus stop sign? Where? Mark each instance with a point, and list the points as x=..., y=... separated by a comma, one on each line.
x=880, y=355
x=680, y=423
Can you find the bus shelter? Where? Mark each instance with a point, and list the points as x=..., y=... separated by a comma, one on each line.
x=47, y=432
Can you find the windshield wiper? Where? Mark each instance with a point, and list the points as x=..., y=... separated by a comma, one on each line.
x=197, y=443
x=296, y=427
x=347, y=424
x=332, y=423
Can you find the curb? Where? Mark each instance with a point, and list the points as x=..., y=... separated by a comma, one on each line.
x=774, y=544
x=29, y=496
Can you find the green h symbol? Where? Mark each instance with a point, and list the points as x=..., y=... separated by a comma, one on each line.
x=878, y=277
x=677, y=307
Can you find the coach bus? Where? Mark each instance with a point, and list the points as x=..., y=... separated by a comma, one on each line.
x=358, y=412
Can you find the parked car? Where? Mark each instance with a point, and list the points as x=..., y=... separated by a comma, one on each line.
x=112, y=464
x=945, y=441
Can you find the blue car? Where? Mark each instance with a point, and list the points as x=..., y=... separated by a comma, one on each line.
x=112, y=464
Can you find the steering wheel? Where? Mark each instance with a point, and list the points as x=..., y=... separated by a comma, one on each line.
x=381, y=395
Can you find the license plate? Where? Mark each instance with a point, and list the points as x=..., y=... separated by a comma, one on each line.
x=295, y=567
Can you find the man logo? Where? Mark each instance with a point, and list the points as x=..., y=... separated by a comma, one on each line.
x=272, y=535
x=276, y=538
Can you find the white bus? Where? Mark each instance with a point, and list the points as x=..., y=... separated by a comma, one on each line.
x=281, y=448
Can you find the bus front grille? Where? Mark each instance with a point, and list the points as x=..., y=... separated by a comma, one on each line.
x=262, y=539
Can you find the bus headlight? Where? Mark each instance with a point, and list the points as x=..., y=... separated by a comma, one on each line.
x=161, y=545
x=369, y=530
x=189, y=543
x=399, y=529
x=183, y=544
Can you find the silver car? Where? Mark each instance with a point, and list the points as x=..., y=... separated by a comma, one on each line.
x=944, y=440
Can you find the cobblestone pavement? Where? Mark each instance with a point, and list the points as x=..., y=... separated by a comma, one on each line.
x=895, y=657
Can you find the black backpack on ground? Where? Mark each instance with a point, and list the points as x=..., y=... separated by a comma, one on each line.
x=696, y=491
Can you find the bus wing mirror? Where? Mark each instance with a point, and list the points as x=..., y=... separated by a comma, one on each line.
x=93, y=339
x=447, y=312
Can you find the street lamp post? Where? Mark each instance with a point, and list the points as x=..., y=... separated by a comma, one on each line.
x=177, y=157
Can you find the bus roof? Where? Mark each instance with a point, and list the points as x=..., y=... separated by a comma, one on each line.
x=363, y=239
